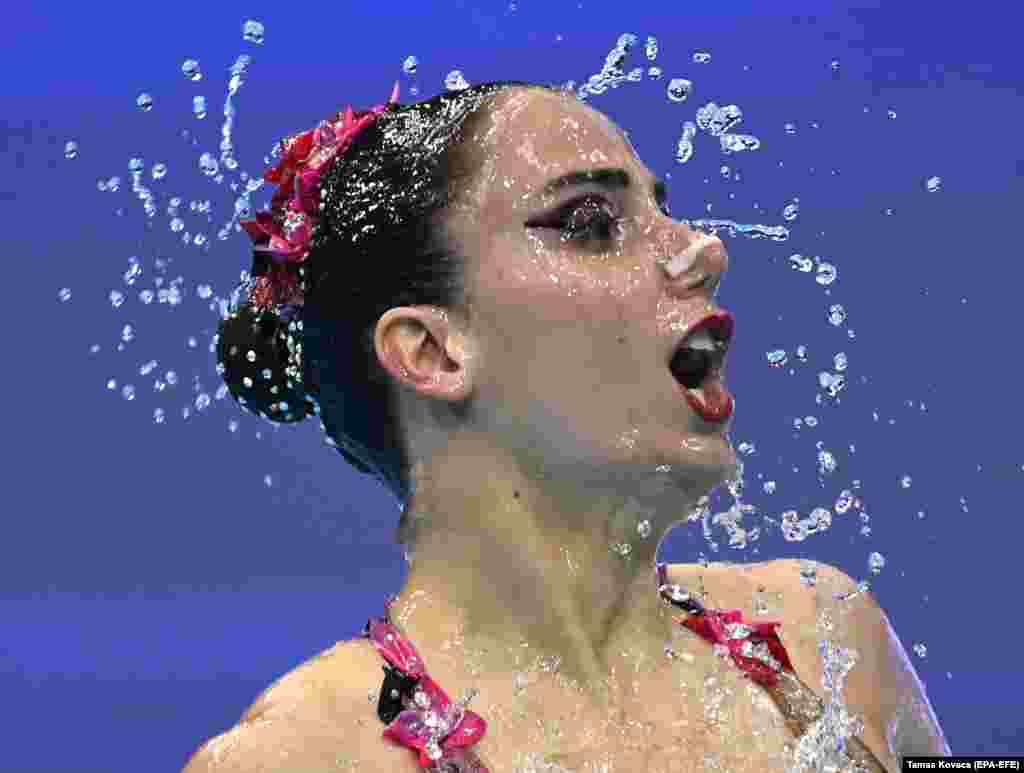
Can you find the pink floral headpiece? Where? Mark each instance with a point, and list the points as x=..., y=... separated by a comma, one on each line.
x=284, y=232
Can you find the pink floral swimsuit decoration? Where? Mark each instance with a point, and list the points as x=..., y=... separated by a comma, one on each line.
x=420, y=715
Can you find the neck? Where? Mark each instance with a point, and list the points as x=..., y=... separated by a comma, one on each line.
x=521, y=567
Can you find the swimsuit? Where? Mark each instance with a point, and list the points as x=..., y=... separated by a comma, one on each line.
x=421, y=716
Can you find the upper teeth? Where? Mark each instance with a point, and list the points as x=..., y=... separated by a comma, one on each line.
x=702, y=340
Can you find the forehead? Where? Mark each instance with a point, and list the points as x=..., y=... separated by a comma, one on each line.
x=527, y=137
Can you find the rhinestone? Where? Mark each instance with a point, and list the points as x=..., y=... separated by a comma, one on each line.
x=394, y=694
x=739, y=631
x=433, y=750
x=677, y=593
x=421, y=699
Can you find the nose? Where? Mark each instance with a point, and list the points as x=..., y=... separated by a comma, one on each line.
x=703, y=255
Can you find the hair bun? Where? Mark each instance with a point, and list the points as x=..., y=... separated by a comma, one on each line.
x=254, y=360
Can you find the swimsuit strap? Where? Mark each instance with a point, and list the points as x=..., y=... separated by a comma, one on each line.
x=418, y=713
x=755, y=648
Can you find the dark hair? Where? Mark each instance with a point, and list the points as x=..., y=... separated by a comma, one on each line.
x=378, y=244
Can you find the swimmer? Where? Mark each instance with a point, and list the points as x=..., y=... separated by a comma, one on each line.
x=486, y=303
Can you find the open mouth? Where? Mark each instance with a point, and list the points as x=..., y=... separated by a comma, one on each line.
x=697, y=367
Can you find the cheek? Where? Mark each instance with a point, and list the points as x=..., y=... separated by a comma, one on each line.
x=571, y=365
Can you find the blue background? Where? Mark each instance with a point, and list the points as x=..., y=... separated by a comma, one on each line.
x=151, y=584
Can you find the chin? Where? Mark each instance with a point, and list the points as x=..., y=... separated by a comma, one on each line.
x=710, y=461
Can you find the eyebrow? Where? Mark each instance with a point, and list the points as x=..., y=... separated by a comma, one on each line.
x=610, y=178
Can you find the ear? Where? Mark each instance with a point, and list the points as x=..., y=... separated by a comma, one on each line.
x=423, y=349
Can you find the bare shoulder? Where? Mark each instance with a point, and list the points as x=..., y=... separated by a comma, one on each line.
x=882, y=687
x=319, y=717
x=773, y=588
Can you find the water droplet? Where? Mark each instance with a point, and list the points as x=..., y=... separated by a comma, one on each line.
x=933, y=184
x=821, y=518
x=875, y=562
x=905, y=481
x=826, y=274
x=128, y=392
x=679, y=89
x=920, y=650
x=144, y=102
x=654, y=73
x=268, y=480
x=208, y=164
x=159, y=171
x=651, y=48
x=64, y=295
x=777, y=358
x=702, y=57
x=839, y=361
x=798, y=262
x=789, y=128
x=190, y=69
x=769, y=487
x=70, y=149
x=455, y=81
x=735, y=143
x=127, y=333
x=253, y=32
x=790, y=212
x=808, y=572
x=891, y=113
x=826, y=463
x=158, y=416
x=843, y=502
x=836, y=314
x=834, y=64
x=410, y=65
x=199, y=107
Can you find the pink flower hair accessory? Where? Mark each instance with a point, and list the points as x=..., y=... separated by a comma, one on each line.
x=284, y=232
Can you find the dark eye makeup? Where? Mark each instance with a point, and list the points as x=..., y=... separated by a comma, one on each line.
x=585, y=219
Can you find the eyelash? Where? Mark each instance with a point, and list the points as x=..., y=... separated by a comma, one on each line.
x=584, y=233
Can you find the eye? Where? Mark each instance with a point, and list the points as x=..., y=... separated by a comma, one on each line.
x=589, y=218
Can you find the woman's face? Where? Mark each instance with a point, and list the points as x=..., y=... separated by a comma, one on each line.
x=574, y=317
